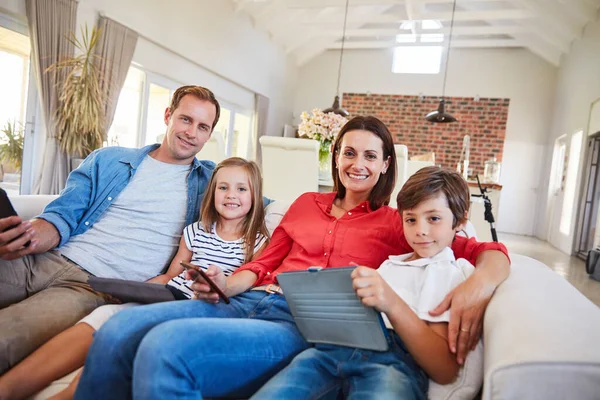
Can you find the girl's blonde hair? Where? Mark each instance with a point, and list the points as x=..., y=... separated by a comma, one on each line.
x=255, y=219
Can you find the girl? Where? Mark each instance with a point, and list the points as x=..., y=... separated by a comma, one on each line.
x=231, y=232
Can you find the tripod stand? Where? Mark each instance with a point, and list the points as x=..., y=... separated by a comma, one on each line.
x=487, y=204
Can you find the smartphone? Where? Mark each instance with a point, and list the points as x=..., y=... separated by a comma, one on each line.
x=6, y=207
x=7, y=210
x=212, y=285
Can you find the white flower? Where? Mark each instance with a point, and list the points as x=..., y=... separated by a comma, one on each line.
x=320, y=126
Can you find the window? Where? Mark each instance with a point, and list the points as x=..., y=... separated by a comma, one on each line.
x=139, y=118
x=14, y=81
x=125, y=126
x=571, y=182
x=417, y=60
x=159, y=98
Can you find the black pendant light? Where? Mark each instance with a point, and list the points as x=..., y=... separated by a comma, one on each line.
x=440, y=115
x=336, y=107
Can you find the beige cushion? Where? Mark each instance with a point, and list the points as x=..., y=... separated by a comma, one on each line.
x=541, y=337
x=467, y=384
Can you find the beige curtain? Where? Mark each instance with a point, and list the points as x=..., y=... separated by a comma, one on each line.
x=115, y=50
x=262, y=113
x=49, y=22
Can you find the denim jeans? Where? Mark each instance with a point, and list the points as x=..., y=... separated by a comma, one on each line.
x=359, y=374
x=190, y=349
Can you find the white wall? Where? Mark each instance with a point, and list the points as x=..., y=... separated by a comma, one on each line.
x=212, y=35
x=578, y=85
x=517, y=74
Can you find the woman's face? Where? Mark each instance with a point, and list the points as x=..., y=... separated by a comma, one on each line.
x=360, y=161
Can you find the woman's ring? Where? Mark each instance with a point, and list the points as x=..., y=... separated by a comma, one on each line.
x=465, y=330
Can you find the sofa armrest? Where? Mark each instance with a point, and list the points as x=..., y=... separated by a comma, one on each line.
x=540, y=337
x=30, y=206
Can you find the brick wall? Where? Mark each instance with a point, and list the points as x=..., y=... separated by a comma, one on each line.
x=483, y=120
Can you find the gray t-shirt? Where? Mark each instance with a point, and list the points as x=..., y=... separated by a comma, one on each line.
x=139, y=233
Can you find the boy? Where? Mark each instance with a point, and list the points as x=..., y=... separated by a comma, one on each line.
x=433, y=205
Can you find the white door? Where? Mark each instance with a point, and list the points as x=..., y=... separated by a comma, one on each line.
x=564, y=186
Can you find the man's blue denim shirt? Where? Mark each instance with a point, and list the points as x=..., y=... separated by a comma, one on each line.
x=91, y=188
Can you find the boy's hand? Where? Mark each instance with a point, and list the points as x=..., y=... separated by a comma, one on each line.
x=373, y=290
x=202, y=290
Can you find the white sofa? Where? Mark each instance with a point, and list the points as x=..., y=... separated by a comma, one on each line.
x=541, y=335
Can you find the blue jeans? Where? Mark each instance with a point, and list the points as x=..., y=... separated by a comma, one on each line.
x=359, y=374
x=191, y=349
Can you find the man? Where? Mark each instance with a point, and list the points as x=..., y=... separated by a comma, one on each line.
x=120, y=215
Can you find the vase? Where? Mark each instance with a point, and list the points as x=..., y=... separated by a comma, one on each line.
x=325, y=161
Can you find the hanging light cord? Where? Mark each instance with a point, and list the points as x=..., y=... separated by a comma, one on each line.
x=448, y=52
x=342, y=51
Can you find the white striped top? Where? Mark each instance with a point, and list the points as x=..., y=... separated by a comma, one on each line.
x=209, y=249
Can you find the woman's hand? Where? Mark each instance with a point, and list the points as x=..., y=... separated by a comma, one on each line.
x=467, y=303
x=202, y=291
x=373, y=290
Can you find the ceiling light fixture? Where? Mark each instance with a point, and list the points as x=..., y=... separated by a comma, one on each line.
x=336, y=108
x=440, y=115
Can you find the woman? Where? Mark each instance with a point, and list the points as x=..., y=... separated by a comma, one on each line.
x=231, y=350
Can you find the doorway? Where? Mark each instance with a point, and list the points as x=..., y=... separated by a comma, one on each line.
x=588, y=210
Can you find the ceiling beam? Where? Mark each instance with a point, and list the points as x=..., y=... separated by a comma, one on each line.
x=540, y=48
x=381, y=44
x=359, y=3
x=557, y=19
x=458, y=30
x=545, y=33
x=460, y=16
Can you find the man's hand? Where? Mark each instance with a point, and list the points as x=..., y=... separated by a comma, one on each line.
x=467, y=304
x=42, y=234
x=202, y=291
x=372, y=290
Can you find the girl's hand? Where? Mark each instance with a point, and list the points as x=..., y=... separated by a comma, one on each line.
x=373, y=290
x=202, y=291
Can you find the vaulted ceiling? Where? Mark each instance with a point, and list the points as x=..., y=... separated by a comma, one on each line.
x=306, y=28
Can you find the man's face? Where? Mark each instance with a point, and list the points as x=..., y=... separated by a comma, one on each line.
x=189, y=126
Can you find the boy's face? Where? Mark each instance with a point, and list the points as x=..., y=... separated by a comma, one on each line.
x=428, y=226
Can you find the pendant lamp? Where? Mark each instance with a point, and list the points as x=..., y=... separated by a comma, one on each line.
x=336, y=107
x=440, y=115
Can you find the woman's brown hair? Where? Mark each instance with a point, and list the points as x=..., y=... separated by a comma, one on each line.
x=255, y=219
x=381, y=192
x=428, y=182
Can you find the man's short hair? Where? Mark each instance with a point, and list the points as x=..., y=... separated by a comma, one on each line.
x=199, y=92
x=429, y=182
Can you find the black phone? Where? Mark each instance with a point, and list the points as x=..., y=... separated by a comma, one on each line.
x=212, y=285
x=6, y=207
x=7, y=210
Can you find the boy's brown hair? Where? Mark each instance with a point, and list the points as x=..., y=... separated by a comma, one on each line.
x=198, y=92
x=428, y=182
x=255, y=219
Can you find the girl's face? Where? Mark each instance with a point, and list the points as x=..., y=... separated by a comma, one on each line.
x=233, y=195
x=360, y=161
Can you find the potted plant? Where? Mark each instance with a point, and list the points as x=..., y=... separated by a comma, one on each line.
x=80, y=115
x=11, y=147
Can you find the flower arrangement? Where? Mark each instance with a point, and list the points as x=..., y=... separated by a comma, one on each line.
x=324, y=128
x=320, y=126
